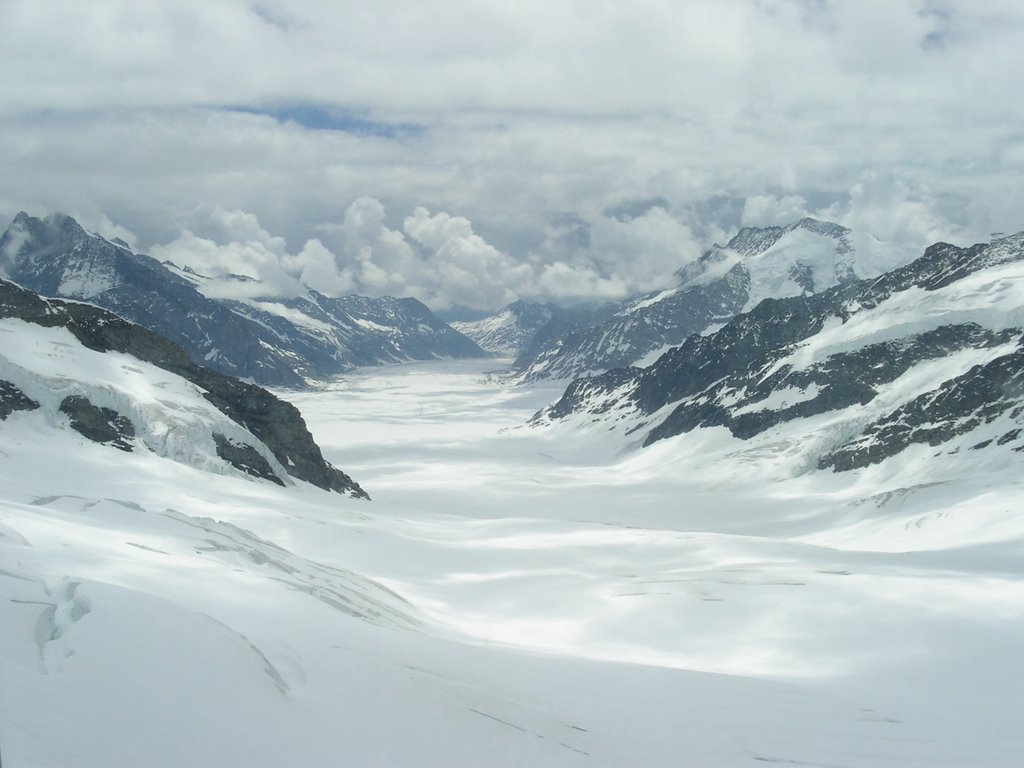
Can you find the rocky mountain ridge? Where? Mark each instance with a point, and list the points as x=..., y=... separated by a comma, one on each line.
x=191, y=415
x=930, y=353
x=802, y=258
x=273, y=341
x=508, y=332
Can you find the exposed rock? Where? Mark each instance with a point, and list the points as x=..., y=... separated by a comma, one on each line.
x=273, y=341
x=752, y=375
x=13, y=399
x=101, y=425
x=801, y=259
x=245, y=458
x=957, y=407
x=276, y=423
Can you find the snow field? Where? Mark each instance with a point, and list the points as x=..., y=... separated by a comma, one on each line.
x=513, y=596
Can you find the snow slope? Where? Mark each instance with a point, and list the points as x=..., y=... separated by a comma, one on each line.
x=513, y=597
x=800, y=259
x=170, y=415
x=284, y=341
x=509, y=331
x=926, y=357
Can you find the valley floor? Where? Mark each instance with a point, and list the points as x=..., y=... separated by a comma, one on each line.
x=513, y=596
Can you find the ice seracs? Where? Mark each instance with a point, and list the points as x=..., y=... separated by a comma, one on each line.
x=113, y=382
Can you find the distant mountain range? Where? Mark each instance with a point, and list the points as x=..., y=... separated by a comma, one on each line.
x=930, y=354
x=510, y=330
x=803, y=258
x=116, y=383
x=272, y=341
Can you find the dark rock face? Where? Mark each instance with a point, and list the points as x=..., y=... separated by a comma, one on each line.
x=839, y=381
x=13, y=399
x=956, y=407
x=276, y=423
x=709, y=292
x=56, y=257
x=245, y=458
x=101, y=425
x=743, y=377
x=564, y=351
x=279, y=426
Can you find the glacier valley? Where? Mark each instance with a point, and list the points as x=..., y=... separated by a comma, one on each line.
x=516, y=594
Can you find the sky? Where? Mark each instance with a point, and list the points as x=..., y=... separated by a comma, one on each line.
x=472, y=153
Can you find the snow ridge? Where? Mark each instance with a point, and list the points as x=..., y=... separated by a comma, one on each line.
x=926, y=353
x=803, y=258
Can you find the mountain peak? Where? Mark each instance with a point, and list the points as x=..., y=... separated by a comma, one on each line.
x=55, y=229
x=824, y=228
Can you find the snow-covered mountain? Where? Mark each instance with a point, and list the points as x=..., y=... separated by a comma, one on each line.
x=274, y=341
x=515, y=597
x=77, y=366
x=803, y=258
x=509, y=331
x=929, y=355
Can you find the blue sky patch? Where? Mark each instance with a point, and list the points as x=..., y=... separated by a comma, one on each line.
x=326, y=119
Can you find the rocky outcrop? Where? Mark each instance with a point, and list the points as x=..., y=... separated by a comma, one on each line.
x=101, y=425
x=274, y=341
x=13, y=399
x=760, y=370
x=957, y=407
x=274, y=422
x=245, y=458
x=802, y=259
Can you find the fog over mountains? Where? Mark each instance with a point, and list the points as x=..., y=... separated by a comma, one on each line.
x=272, y=340
x=803, y=258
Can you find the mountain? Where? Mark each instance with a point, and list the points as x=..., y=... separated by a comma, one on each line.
x=803, y=258
x=119, y=384
x=929, y=354
x=510, y=331
x=278, y=342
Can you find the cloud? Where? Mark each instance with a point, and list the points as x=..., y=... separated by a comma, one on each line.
x=574, y=138
x=891, y=210
x=316, y=267
x=769, y=210
x=102, y=225
x=436, y=257
x=249, y=252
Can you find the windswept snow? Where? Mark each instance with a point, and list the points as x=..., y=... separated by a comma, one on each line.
x=514, y=596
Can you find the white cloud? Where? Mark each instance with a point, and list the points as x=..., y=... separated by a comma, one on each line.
x=102, y=225
x=504, y=115
x=769, y=210
x=890, y=210
x=317, y=267
x=437, y=257
x=245, y=250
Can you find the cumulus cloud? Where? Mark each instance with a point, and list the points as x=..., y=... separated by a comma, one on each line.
x=245, y=250
x=316, y=267
x=553, y=148
x=891, y=210
x=436, y=257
